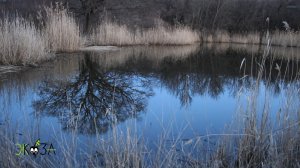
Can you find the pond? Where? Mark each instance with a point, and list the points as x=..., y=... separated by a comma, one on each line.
x=186, y=91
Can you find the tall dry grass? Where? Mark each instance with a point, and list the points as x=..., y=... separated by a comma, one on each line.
x=21, y=43
x=221, y=36
x=109, y=33
x=61, y=30
x=258, y=140
x=286, y=38
x=278, y=38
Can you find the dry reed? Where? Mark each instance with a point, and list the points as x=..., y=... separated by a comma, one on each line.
x=286, y=38
x=21, y=43
x=109, y=33
x=278, y=38
x=224, y=37
x=61, y=30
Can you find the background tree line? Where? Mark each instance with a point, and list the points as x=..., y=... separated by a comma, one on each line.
x=231, y=15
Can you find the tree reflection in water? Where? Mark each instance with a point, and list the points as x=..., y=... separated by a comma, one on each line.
x=116, y=88
x=95, y=99
x=208, y=72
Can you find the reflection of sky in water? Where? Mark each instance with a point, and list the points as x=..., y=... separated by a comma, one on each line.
x=164, y=110
x=205, y=115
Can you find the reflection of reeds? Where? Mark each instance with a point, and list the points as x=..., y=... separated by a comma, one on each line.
x=66, y=66
x=275, y=51
x=117, y=58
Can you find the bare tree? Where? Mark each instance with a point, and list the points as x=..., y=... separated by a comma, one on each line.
x=90, y=7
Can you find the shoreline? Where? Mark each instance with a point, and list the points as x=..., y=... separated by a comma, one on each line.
x=104, y=48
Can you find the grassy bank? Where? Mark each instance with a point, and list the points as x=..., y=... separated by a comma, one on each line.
x=109, y=33
x=61, y=30
x=277, y=38
x=23, y=43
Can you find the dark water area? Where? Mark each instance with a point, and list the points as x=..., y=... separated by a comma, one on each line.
x=187, y=90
